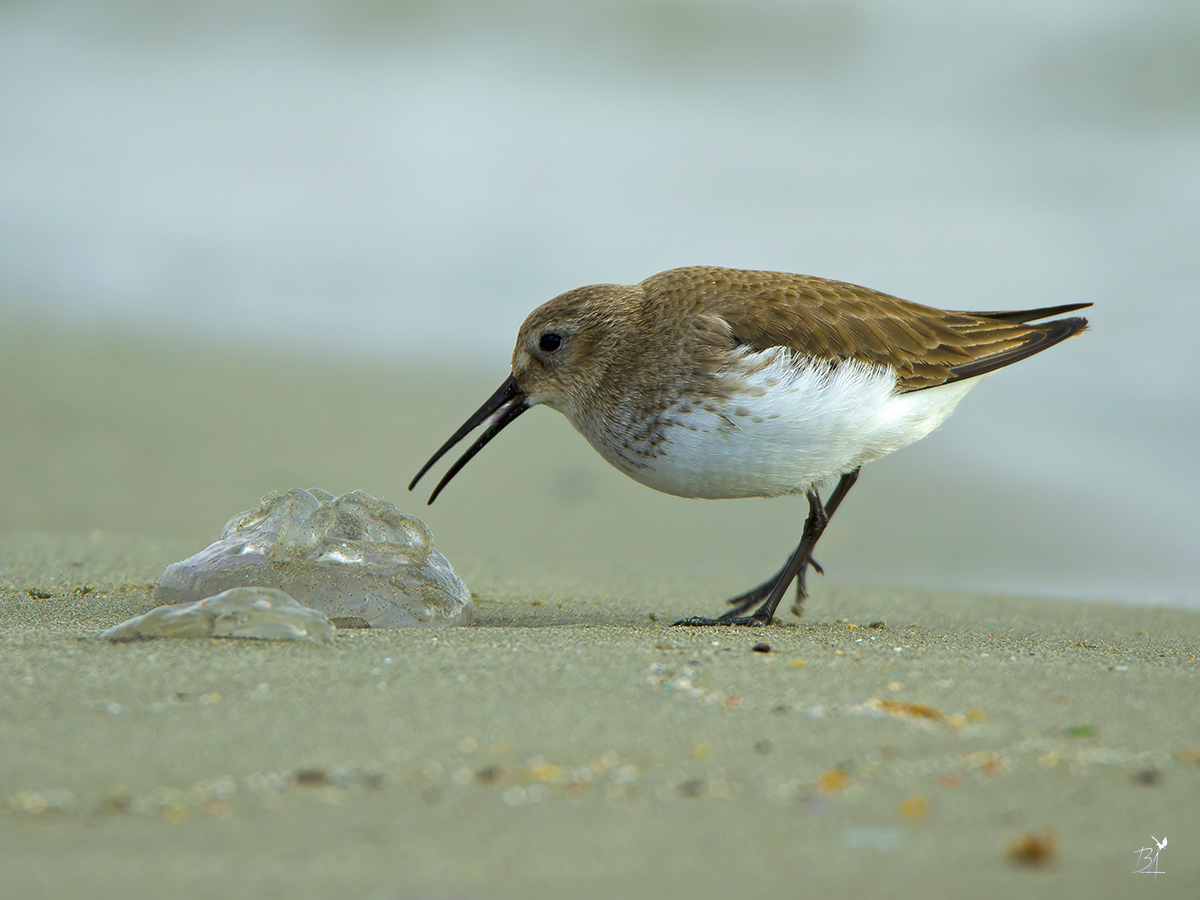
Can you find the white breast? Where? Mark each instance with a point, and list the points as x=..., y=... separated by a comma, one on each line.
x=791, y=425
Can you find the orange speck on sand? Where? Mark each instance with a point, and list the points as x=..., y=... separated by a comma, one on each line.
x=993, y=768
x=546, y=771
x=915, y=807
x=951, y=780
x=831, y=782
x=576, y=790
x=907, y=710
x=176, y=813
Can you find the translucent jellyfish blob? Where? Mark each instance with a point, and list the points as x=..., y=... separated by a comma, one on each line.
x=355, y=558
x=247, y=612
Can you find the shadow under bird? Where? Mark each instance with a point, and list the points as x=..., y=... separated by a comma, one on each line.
x=725, y=383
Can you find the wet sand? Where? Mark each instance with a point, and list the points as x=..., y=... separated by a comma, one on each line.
x=569, y=744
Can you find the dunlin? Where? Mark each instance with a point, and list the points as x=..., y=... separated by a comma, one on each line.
x=723, y=383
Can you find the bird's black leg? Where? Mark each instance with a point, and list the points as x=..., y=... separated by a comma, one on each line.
x=835, y=500
x=743, y=602
x=795, y=569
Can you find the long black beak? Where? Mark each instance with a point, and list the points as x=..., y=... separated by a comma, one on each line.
x=509, y=401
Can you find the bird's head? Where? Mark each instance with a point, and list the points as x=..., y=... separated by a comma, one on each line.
x=564, y=349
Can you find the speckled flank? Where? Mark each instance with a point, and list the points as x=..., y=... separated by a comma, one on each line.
x=789, y=425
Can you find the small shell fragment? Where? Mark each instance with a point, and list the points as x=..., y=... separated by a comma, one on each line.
x=245, y=612
x=353, y=557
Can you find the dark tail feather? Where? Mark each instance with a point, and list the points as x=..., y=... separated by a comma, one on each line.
x=1031, y=315
x=1043, y=337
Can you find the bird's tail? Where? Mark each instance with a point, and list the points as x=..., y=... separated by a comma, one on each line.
x=1031, y=315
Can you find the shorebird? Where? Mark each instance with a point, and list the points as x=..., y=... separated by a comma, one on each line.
x=726, y=383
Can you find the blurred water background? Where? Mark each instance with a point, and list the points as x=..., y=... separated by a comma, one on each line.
x=404, y=181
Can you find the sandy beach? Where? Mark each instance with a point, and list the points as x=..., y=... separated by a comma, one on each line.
x=893, y=742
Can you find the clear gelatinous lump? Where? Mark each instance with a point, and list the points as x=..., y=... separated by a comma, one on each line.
x=246, y=612
x=354, y=557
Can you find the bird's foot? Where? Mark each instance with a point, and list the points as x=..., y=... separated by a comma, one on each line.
x=758, y=594
x=701, y=621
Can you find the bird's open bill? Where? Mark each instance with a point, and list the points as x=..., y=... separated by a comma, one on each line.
x=509, y=401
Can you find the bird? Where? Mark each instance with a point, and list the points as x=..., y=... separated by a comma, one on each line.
x=720, y=383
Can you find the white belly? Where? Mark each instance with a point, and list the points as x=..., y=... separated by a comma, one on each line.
x=797, y=426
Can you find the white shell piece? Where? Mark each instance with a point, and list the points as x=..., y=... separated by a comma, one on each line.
x=351, y=557
x=248, y=612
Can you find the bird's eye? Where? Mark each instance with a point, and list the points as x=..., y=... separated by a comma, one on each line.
x=549, y=342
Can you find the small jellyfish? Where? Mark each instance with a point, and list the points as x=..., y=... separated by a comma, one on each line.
x=353, y=557
x=246, y=612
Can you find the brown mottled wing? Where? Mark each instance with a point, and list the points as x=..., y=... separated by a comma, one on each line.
x=839, y=321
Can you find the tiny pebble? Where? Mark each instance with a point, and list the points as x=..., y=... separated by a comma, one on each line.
x=691, y=788
x=1033, y=849
x=312, y=778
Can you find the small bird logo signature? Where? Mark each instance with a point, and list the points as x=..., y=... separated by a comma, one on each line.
x=1147, y=858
